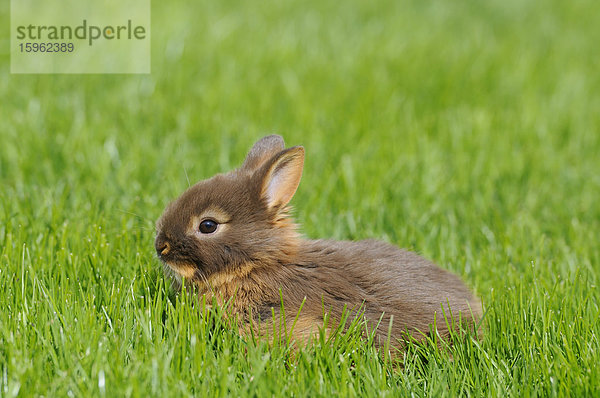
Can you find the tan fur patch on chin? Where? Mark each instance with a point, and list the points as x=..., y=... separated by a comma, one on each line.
x=223, y=278
x=181, y=271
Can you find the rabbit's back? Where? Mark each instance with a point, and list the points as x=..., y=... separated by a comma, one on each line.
x=381, y=279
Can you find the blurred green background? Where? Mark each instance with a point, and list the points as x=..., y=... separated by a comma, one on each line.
x=467, y=131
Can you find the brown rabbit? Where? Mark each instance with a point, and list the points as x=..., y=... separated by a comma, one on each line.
x=232, y=238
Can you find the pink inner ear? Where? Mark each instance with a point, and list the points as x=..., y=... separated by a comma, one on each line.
x=278, y=189
x=284, y=179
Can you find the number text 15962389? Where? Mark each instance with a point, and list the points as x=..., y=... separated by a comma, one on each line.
x=46, y=47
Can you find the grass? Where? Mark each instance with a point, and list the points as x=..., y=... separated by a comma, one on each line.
x=467, y=131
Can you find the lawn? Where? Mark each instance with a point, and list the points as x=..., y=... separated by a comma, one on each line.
x=466, y=131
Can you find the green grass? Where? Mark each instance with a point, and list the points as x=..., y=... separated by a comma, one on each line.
x=467, y=131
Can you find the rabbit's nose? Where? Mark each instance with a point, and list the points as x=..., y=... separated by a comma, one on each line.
x=165, y=249
x=162, y=247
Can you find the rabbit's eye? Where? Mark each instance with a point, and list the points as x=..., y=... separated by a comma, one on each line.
x=208, y=226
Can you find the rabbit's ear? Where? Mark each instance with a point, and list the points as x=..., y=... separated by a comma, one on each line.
x=262, y=151
x=281, y=176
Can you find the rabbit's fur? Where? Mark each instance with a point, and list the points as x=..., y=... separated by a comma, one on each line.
x=255, y=259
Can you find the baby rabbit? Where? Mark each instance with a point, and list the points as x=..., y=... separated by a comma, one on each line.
x=232, y=238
